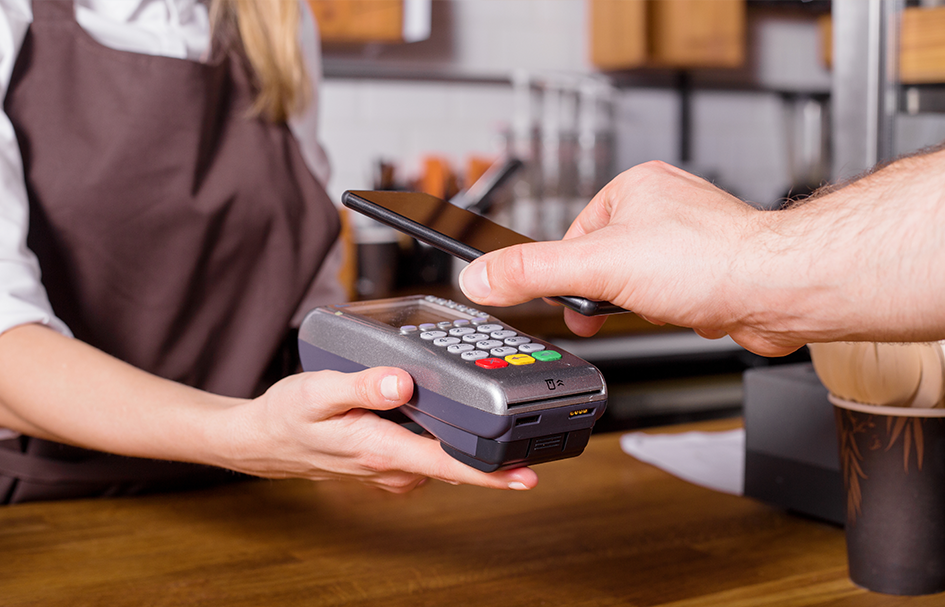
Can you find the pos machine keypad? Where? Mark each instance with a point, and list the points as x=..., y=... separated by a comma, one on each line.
x=489, y=345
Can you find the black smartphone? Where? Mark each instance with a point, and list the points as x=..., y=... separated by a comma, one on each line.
x=457, y=231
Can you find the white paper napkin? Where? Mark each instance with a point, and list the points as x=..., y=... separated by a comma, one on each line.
x=711, y=459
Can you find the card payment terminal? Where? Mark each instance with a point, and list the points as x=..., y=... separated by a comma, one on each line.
x=494, y=397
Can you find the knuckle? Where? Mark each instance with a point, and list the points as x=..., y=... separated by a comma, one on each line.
x=396, y=490
x=441, y=471
x=649, y=171
x=311, y=387
x=656, y=167
x=448, y=470
x=516, y=263
x=402, y=483
x=364, y=390
x=515, y=266
x=374, y=461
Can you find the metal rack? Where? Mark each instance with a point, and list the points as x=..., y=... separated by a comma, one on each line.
x=864, y=93
x=867, y=97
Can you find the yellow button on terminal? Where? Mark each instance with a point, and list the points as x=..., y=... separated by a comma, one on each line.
x=519, y=359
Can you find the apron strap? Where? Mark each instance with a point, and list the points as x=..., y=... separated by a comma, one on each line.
x=101, y=469
x=26, y=475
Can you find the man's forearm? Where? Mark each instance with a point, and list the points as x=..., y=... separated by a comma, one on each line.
x=862, y=262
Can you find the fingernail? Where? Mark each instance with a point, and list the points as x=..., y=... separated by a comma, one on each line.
x=518, y=486
x=389, y=388
x=474, y=281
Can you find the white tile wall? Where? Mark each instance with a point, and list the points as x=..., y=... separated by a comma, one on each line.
x=363, y=121
x=647, y=127
x=484, y=39
x=738, y=138
x=921, y=131
x=786, y=53
x=495, y=35
x=740, y=142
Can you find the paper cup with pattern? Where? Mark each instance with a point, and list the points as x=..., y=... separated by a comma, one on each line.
x=892, y=460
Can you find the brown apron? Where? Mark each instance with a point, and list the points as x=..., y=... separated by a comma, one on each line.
x=173, y=231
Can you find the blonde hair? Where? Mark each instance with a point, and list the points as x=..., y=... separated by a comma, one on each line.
x=269, y=32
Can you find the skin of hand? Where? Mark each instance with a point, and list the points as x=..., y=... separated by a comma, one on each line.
x=311, y=425
x=319, y=426
x=617, y=250
x=862, y=262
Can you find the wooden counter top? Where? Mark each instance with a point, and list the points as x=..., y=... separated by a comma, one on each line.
x=601, y=529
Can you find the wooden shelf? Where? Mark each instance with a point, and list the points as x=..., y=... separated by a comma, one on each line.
x=922, y=46
x=359, y=21
x=618, y=33
x=628, y=34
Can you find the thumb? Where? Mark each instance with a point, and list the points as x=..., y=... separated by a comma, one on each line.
x=520, y=273
x=380, y=389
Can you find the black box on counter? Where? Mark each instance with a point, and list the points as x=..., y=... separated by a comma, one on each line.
x=791, y=457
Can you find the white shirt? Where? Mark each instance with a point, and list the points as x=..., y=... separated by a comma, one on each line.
x=169, y=28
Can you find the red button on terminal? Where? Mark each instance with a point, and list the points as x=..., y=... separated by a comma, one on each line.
x=491, y=363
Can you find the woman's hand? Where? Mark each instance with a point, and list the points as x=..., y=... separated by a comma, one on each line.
x=311, y=425
x=319, y=426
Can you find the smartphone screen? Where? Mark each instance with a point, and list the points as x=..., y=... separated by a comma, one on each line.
x=457, y=231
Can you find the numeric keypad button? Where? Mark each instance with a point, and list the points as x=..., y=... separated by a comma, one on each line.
x=503, y=351
x=516, y=341
x=472, y=338
x=488, y=344
x=503, y=334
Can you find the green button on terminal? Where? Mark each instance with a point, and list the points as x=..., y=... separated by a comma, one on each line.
x=546, y=355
